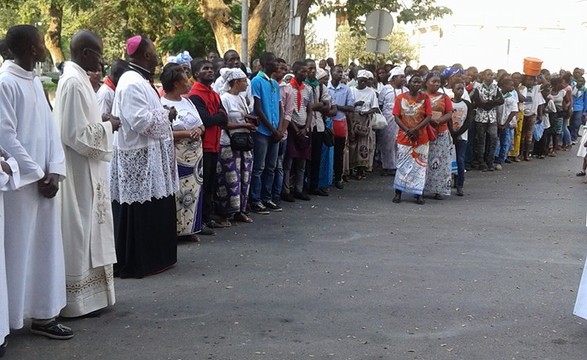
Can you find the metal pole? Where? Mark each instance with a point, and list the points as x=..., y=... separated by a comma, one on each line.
x=245, y=32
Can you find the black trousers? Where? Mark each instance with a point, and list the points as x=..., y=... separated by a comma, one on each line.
x=317, y=141
x=339, y=144
x=210, y=160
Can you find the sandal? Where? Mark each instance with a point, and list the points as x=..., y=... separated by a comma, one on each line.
x=438, y=196
x=581, y=173
x=242, y=217
x=420, y=200
x=52, y=330
x=225, y=223
x=397, y=198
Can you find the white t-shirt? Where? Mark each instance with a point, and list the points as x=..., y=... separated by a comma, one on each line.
x=187, y=115
x=451, y=94
x=236, y=108
x=368, y=96
x=459, y=116
x=510, y=104
x=533, y=99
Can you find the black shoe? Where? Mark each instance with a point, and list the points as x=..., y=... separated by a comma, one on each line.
x=206, y=231
x=288, y=197
x=460, y=191
x=319, y=192
x=301, y=196
x=339, y=184
x=52, y=330
x=270, y=205
x=3, y=348
x=259, y=209
x=419, y=200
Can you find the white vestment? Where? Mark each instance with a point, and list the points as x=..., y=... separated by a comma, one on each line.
x=6, y=183
x=88, y=230
x=143, y=165
x=33, y=243
x=105, y=99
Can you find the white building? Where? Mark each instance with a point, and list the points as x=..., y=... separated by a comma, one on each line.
x=501, y=33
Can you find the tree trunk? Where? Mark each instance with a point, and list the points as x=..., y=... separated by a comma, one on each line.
x=53, y=35
x=278, y=30
x=217, y=13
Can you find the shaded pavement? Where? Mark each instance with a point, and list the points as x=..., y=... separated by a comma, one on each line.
x=492, y=275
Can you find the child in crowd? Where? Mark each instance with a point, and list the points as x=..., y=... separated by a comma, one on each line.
x=506, y=120
x=462, y=117
x=547, y=110
x=532, y=100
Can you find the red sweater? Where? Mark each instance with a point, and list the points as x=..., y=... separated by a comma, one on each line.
x=213, y=115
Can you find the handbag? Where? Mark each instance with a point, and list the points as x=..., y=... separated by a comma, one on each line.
x=242, y=141
x=538, y=131
x=328, y=138
x=339, y=128
x=431, y=132
x=378, y=121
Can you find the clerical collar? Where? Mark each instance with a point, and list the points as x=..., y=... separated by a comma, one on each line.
x=141, y=70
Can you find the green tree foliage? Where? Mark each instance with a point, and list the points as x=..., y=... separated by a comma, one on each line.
x=407, y=12
x=351, y=47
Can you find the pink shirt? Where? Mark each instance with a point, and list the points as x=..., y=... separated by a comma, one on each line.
x=287, y=102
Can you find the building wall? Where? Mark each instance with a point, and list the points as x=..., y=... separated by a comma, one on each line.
x=502, y=33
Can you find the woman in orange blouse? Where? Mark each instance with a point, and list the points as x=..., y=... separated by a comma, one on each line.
x=439, y=176
x=412, y=112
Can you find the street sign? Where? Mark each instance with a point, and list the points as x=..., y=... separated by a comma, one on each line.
x=378, y=46
x=379, y=24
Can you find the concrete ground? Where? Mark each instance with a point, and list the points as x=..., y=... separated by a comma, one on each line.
x=492, y=275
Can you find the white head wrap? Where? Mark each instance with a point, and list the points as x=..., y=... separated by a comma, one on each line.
x=288, y=77
x=395, y=72
x=365, y=74
x=231, y=74
x=321, y=73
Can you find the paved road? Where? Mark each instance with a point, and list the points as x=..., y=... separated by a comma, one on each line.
x=492, y=275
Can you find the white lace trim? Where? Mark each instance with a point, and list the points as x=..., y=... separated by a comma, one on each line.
x=139, y=175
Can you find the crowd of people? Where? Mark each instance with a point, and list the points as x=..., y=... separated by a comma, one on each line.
x=103, y=182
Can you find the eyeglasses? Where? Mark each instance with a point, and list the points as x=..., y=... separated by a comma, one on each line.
x=98, y=54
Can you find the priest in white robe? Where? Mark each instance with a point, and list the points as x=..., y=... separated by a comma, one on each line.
x=143, y=172
x=9, y=180
x=33, y=242
x=88, y=230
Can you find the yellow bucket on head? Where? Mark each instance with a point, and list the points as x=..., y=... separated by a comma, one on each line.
x=532, y=66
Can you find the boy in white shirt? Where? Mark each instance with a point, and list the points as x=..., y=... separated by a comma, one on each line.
x=506, y=120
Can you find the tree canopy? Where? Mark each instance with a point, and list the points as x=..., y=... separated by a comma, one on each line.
x=195, y=25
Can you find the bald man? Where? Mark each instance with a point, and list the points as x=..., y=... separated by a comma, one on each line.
x=88, y=230
x=33, y=241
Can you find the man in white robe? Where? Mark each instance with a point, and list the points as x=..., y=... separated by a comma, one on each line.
x=143, y=171
x=88, y=230
x=9, y=180
x=33, y=243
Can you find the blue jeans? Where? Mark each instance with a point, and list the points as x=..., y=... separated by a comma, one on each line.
x=505, y=143
x=576, y=122
x=461, y=148
x=264, y=162
x=278, y=178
